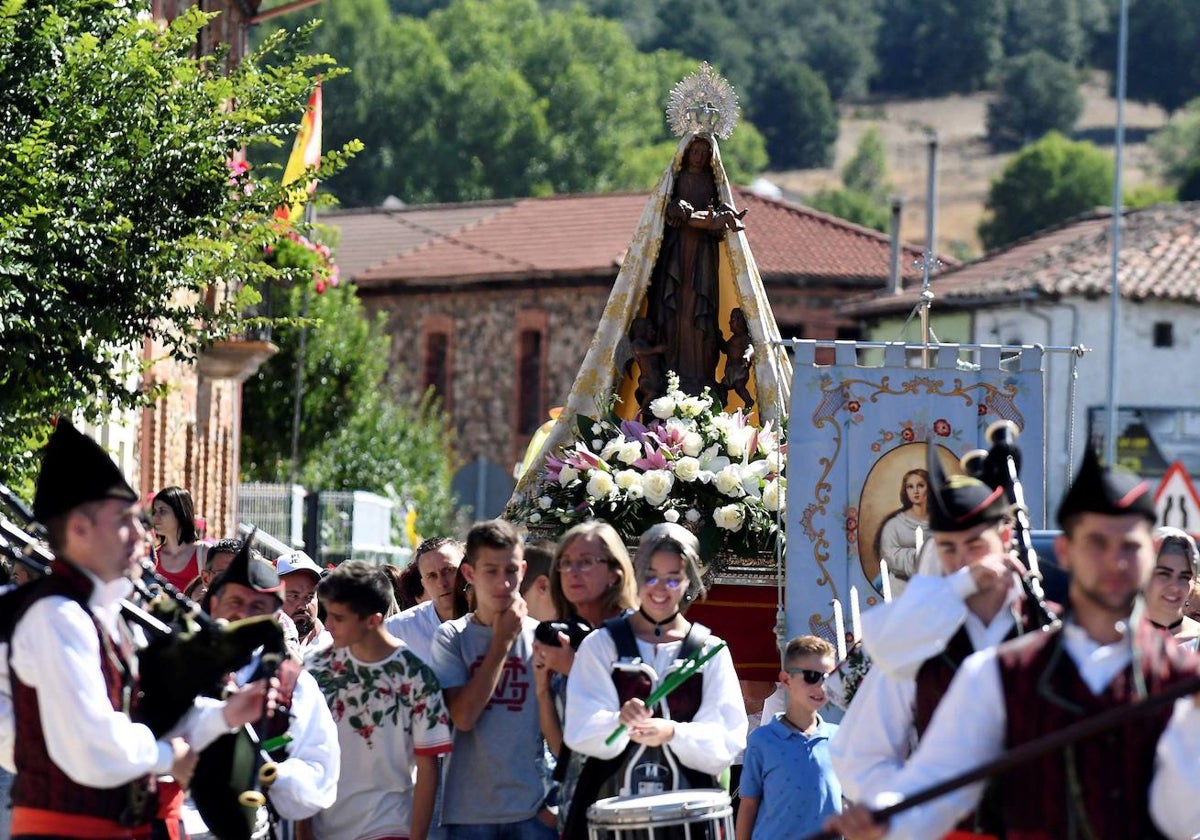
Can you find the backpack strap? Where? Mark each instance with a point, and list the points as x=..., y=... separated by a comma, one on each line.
x=696, y=638
x=622, y=634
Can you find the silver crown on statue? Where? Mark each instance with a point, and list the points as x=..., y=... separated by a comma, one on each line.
x=703, y=103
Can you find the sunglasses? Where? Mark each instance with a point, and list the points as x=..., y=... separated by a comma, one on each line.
x=669, y=582
x=810, y=677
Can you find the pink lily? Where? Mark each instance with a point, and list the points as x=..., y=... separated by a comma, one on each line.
x=654, y=460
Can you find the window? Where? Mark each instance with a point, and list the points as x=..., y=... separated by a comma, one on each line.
x=1164, y=334
x=436, y=374
x=787, y=331
x=530, y=408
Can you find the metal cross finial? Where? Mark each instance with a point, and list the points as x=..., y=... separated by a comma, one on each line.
x=928, y=263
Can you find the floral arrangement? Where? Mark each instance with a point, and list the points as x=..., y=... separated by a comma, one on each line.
x=294, y=250
x=713, y=472
x=846, y=679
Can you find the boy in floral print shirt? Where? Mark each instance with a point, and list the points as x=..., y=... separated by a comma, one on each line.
x=389, y=712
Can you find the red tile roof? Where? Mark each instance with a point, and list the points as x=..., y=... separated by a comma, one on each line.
x=1160, y=259
x=577, y=236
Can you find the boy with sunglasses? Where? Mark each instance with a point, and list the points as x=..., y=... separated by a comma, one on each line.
x=788, y=786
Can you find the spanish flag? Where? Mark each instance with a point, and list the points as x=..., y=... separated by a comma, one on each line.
x=306, y=152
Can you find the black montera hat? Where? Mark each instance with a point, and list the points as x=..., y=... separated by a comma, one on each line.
x=75, y=470
x=1108, y=491
x=959, y=503
x=250, y=571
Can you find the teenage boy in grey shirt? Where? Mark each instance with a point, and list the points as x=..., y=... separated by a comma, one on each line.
x=484, y=662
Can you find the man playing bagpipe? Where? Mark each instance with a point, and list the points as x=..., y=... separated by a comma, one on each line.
x=1138, y=778
x=85, y=767
x=918, y=641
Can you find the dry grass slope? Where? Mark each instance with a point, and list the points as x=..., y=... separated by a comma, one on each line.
x=966, y=165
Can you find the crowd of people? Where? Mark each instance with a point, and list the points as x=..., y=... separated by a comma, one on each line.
x=512, y=691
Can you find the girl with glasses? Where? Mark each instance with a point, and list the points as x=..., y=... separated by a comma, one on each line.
x=693, y=735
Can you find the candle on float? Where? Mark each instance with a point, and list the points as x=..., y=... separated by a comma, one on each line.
x=839, y=630
x=885, y=577
x=855, y=616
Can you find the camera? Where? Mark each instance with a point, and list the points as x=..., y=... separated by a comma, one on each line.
x=575, y=630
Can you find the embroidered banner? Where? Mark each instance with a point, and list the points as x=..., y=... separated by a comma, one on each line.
x=857, y=438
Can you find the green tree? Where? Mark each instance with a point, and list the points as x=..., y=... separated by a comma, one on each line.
x=1177, y=144
x=797, y=118
x=354, y=433
x=936, y=47
x=119, y=211
x=1046, y=183
x=1054, y=27
x=866, y=171
x=853, y=206
x=1038, y=93
x=1164, y=65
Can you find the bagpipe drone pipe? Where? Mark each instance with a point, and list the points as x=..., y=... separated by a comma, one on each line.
x=188, y=655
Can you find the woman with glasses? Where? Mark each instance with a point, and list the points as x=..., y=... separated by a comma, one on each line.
x=591, y=581
x=689, y=738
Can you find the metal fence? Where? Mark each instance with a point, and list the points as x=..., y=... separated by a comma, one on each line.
x=332, y=526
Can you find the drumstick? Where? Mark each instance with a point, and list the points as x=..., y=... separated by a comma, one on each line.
x=671, y=682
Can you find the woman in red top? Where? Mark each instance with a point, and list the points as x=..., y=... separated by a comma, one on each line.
x=177, y=555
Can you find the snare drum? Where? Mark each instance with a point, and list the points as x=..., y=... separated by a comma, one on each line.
x=675, y=815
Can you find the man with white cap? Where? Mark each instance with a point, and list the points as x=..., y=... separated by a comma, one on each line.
x=300, y=576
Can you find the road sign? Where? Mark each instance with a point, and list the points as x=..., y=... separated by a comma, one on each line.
x=1176, y=500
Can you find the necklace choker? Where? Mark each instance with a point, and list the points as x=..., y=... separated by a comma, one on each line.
x=1175, y=625
x=658, y=625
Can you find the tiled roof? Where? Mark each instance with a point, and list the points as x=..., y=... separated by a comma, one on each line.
x=372, y=236
x=574, y=236
x=1160, y=259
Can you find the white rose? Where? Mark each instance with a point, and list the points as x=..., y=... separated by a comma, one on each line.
x=628, y=478
x=600, y=484
x=567, y=474
x=671, y=515
x=729, y=481
x=692, y=515
x=597, y=428
x=693, y=444
x=736, y=441
x=772, y=495
x=687, y=469
x=635, y=492
x=657, y=484
x=597, y=444
x=693, y=406
x=630, y=452
x=544, y=502
x=729, y=517
x=612, y=448
x=535, y=518
x=775, y=461
x=662, y=408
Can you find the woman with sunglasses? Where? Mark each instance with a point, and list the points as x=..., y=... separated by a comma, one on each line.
x=693, y=735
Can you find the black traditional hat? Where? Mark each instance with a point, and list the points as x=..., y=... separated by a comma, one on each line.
x=75, y=470
x=1107, y=491
x=250, y=571
x=959, y=503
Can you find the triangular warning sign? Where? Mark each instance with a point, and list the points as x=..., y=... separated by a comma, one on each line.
x=1176, y=500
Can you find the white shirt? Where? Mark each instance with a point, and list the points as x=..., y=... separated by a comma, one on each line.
x=308, y=777
x=56, y=652
x=415, y=627
x=969, y=726
x=708, y=743
x=877, y=735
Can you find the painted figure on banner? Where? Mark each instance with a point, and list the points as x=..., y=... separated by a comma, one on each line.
x=896, y=534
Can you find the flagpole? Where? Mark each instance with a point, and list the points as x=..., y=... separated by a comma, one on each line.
x=1110, y=442
x=310, y=218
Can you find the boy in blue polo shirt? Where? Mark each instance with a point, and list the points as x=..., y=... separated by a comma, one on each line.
x=788, y=787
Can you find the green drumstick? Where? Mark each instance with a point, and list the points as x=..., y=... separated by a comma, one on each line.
x=671, y=682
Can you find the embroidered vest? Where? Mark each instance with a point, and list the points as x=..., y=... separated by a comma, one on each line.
x=1098, y=788
x=39, y=782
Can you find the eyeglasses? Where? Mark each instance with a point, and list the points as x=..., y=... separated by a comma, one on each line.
x=810, y=677
x=581, y=564
x=670, y=582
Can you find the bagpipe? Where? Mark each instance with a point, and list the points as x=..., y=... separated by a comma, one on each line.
x=188, y=655
x=998, y=466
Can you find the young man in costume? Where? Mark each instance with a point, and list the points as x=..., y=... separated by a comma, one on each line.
x=85, y=768
x=1139, y=779
x=923, y=637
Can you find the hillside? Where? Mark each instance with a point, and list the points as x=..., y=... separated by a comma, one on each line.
x=966, y=165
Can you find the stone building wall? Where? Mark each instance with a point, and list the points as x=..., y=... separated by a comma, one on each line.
x=484, y=328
